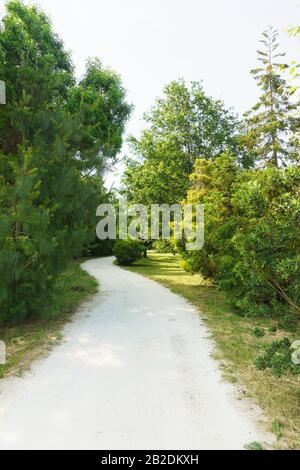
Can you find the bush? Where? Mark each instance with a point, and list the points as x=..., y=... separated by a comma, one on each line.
x=128, y=251
x=54, y=134
x=99, y=248
x=163, y=246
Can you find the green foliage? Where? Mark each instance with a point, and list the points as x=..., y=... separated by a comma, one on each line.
x=252, y=239
x=128, y=251
x=182, y=126
x=99, y=103
x=254, y=446
x=28, y=340
x=163, y=246
x=56, y=137
x=99, y=248
x=211, y=183
x=263, y=269
x=288, y=322
x=277, y=357
x=268, y=129
x=258, y=332
x=249, y=185
x=277, y=429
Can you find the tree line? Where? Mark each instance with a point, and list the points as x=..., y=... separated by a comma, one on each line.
x=59, y=134
x=245, y=172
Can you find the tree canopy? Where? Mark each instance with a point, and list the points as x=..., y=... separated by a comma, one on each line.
x=56, y=136
x=182, y=126
x=245, y=173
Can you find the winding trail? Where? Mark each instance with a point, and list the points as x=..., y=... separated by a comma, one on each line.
x=134, y=372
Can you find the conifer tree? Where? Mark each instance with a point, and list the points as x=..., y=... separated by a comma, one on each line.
x=54, y=136
x=269, y=126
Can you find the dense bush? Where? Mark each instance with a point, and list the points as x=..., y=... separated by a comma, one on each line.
x=277, y=357
x=163, y=246
x=262, y=271
x=252, y=236
x=128, y=251
x=211, y=185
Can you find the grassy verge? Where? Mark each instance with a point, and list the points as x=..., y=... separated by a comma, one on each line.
x=31, y=339
x=236, y=346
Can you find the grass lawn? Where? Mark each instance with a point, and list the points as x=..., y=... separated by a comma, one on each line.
x=236, y=345
x=31, y=339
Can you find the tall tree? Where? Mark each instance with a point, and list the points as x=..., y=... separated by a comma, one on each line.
x=54, y=136
x=295, y=75
x=268, y=127
x=182, y=126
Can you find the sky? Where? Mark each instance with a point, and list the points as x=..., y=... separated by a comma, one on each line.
x=151, y=42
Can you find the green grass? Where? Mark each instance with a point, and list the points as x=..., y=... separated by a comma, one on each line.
x=32, y=339
x=238, y=343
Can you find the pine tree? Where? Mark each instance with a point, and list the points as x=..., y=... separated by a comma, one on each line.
x=54, y=136
x=268, y=127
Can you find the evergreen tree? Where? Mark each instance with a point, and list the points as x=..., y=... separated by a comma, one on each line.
x=55, y=137
x=268, y=127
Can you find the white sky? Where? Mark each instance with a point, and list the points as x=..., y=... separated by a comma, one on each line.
x=151, y=42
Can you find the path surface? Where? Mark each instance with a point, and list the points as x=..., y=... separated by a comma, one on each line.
x=133, y=372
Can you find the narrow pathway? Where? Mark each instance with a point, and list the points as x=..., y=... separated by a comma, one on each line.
x=134, y=371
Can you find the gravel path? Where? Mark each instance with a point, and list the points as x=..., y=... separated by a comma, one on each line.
x=134, y=372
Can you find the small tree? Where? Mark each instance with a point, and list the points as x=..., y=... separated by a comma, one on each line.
x=269, y=125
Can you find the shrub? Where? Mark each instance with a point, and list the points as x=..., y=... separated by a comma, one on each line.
x=288, y=322
x=263, y=275
x=55, y=136
x=211, y=185
x=128, y=251
x=258, y=332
